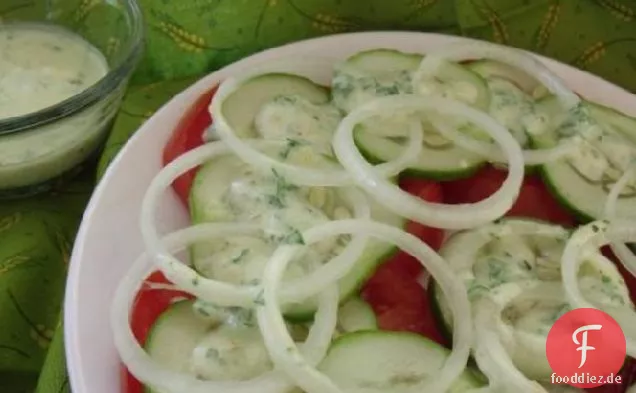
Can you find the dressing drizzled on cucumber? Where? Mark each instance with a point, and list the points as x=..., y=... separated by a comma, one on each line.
x=295, y=205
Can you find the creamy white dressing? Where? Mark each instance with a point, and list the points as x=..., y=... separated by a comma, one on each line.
x=352, y=88
x=515, y=258
x=230, y=353
x=296, y=118
x=459, y=90
x=283, y=210
x=603, y=157
x=509, y=105
x=522, y=259
x=43, y=65
x=40, y=66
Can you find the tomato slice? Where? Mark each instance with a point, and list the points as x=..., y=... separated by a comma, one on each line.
x=149, y=304
x=429, y=191
x=187, y=135
x=534, y=201
x=399, y=302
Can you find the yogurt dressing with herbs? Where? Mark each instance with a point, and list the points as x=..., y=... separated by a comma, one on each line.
x=40, y=66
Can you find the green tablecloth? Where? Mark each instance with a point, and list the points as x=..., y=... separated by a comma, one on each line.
x=188, y=38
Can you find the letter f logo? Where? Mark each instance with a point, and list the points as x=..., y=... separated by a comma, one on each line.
x=583, y=344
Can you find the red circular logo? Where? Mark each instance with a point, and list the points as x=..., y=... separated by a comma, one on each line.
x=586, y=348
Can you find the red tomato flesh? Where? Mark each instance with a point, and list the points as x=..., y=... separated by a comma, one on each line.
x=534, y=201
x=188, y=135
x=149, y=304
x=398, y=300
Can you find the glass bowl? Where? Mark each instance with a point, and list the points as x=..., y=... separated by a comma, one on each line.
x=38, y=150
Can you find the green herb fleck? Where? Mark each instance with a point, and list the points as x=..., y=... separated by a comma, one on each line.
x=275, y=201
x=282, y=187
x=291, y=145
x=387, y=90
x=294, y=237
x=259, y=300
x=343, y=85
x=240, y=257
x=526, y=264
x=195, y=281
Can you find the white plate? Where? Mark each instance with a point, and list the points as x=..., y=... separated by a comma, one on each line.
x=109, y=238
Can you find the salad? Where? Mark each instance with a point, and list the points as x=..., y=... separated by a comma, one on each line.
x=417, y=226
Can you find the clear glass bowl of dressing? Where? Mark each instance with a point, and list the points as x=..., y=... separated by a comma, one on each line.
x=64, y=67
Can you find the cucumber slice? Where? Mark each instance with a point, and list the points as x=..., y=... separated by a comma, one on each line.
x=182, y=341
x=380, y=62
x=356, y=315
x=439, y=159
x=242, y=106
x=581, y=181
x=381, y=72
x=174, y=335
x=456, y=81
x=207, y=204
x=396, y=362
x=502, y=254
x=493, y=69
x=614, y=120
x=371, y=74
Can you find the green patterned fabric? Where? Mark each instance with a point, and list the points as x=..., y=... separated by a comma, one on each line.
x=186, y=39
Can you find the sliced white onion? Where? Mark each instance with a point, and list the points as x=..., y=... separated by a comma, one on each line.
x=186, y=278
x=490, y=354
x=494, y=154
x=409, y=154
x=492, y=357
x=168, y=381
x=462, y=259
x=622, y=252
x=282, y=348
x=432, y=214
x=320, y=279
x=296, y=174
x=481, y=50
x=452, y=287
x=585, y=241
